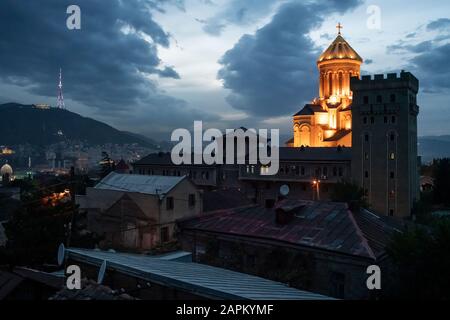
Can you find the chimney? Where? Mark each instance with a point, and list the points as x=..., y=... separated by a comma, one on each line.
x=284, y=214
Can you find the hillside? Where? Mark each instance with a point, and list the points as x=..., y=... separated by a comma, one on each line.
x=21, y=124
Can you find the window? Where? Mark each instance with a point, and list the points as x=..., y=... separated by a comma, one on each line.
x=385, y=119
x=164, y=234
x=302, y=170
x=372, y=120
x=191, y=200
x=366, y=99
x=366, y=137
x=341, y=172
x=393, y=119
x=392, y=156
x=366, y=156
x=335, y=171
x=392, y=194
x=379, y=99
x=169, y=203
x=366, y=174
x=391, y=213
x=393, y=98
x=392, y=137
x=392, y=175
x=365, y=120
x=325, y=171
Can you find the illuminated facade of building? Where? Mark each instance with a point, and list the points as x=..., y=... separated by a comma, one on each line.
x=327, y=121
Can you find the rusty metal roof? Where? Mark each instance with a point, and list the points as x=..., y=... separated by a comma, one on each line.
x=322, y=225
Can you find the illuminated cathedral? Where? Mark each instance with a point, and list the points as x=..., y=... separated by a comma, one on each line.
x=327, y=120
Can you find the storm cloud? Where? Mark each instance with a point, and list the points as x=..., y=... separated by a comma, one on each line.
x=107, y=65
x=429, y=59
x=269, y=72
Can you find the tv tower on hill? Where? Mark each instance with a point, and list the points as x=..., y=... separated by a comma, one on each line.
x=60, y=104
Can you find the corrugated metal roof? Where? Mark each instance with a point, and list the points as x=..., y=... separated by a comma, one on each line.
x=323, y=225
x=206, y=281
x=154, y=185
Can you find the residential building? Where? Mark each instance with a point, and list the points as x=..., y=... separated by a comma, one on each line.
x=138, y=212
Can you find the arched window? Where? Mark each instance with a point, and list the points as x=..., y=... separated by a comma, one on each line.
x=341, y=79
x=305, y=136
x=297, y=137
x=330, y=84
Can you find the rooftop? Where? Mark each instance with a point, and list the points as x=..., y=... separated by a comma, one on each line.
x=153, y=185
x=206, y=281
x=224, y=199
x=322, y=225
x=310, y=109
x=315, y=154
x=339, y=49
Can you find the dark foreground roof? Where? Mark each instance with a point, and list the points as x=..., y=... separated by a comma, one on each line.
x=90, y=290
x=316, y=154
x=206, y=281
x=321, y=225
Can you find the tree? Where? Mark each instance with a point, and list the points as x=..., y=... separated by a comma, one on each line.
x=349, y=193
x=107, y=165
x=38, y=227
x=441, y=174
x=421, y=263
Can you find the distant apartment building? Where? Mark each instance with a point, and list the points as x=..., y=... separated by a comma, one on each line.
x=138, y=212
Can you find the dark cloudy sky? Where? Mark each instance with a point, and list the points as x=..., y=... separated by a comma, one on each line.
x=151, y=66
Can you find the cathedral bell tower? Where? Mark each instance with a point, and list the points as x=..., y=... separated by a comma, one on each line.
x=327, y=121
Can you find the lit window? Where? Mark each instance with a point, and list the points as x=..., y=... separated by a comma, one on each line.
x=392, y=156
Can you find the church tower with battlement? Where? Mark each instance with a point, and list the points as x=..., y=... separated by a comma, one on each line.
x=327, y=120
x=384, y=148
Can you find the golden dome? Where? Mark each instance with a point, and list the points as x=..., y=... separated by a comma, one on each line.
x=6, y=169
x=339, y=49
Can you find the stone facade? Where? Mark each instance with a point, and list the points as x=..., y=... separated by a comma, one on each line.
x=384, y=159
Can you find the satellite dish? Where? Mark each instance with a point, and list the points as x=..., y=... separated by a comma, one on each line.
x=101, y=272
x=61, y=254
x=284, y=190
